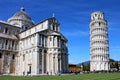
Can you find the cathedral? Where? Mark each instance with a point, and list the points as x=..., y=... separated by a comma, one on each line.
x=28, y=48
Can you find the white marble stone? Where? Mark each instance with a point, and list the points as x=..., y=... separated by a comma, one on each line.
x=37, y=49
x=99, y=48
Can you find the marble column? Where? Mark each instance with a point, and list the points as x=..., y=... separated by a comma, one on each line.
x=38, y=36
x=56, y=63
x=53, y=63
x=42, y=62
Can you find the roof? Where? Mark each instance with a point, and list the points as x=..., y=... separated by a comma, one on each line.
x=5, y=23
x=51, y=18
x=20, y=15
x=39, y=23
x=8, y=36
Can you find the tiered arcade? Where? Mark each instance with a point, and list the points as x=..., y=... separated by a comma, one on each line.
x=99, y=48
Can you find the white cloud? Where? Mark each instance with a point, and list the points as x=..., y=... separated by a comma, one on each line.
x=76, y=33
x=115, y=48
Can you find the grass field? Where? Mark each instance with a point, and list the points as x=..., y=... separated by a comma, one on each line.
x=105, y=76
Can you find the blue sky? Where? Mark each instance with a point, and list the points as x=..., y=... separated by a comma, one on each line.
x=74, y=17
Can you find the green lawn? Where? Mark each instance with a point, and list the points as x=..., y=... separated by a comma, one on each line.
x=110, y=76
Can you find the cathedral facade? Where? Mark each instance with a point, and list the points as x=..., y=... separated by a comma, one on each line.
x=99, y=44
x=26, y=48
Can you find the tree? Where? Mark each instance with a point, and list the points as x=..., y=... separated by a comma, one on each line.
x=114, y=64
x=86, y=67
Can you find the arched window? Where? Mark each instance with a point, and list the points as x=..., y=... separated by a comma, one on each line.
x=6, y=30
x=23, y=57
x=12, y=43
x=29, y=68
x=53, y=27
x=0, y=55
x=26, y=28
x=99, y=23
x=95, y=15
x=50, y=39
x=6, y=42
x=13, y=56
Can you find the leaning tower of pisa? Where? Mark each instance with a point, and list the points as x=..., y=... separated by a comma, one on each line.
x=99, y=47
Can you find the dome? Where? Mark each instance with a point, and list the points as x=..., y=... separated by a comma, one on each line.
x=20, y=17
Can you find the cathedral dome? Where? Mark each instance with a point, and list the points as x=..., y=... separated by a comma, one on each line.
x=19, y=18
x=21, y=15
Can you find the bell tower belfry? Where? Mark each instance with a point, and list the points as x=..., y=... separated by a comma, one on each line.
x=99, y=44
